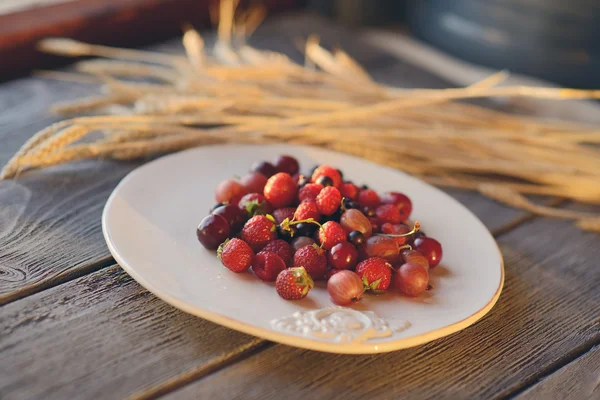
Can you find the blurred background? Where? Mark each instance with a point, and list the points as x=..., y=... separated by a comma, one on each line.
x=555, y=40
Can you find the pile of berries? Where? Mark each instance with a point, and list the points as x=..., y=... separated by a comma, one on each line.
x=292, y=229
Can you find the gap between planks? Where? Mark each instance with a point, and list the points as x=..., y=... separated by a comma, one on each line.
x=259, y=345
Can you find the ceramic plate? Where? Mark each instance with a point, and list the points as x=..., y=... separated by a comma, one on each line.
x=150, y=220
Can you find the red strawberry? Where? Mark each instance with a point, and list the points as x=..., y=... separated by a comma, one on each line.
x=293, y=283
x=401, y=201
x=228, y=191
x=329, y=200
x=375, y=272
x=282, y=213
x=267, y=265
x=313, y=259
x=309, y=191
x=330, y=234
x=388, y=213
x=235, y=254
x=349, y=191
x=258, y=231
x=280, y=190
x=282, y=249
x=328, y=170
x=254, y=182
x=368, y=198
x=396, y=229
x=255, y=204
x=307, y=209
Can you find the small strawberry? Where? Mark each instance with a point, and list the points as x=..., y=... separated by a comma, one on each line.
x=330, y=234
x=396, y=229
x=267, y=265
x=282, y=213
x=280, y=190
x=309, y=191
x=329, y=171
x=388, y=213
x=293, y=283
x=376, y=273
x=255, y=204
x=401, y=201
x=313, y=259
x=349, y=191
x=282, y=249
x=368, y=198
x=235, y=254
x=307, y=209
x=258, y=231
x=329, y=200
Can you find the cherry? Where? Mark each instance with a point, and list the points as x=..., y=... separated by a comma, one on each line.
x=265, y=168
x=287, y=164
x=212, y=231
x=235, y=217
x=430, y=248
x=342, y=256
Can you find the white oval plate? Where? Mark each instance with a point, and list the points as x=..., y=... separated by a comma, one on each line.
x=150, y=220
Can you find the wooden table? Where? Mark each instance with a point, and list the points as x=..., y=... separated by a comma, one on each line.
x=74, y=325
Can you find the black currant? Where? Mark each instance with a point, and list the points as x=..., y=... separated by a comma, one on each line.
x=325, y=181
x=356, y=238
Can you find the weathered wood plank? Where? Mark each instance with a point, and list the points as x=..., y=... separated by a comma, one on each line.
x=103, y=336
x=579, y=380
x=548, y=310
x=109, y=315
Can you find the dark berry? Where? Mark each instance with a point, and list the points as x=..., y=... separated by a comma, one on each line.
x=325, y=181
x=212, y=231
x=369, y=212
x=303, y=181
x=235, y=217
x=286, y=235
x=349, y=204
x=303, y=229
x=419, y=234
x=215, y=207
x=287, y=164
x=341, y=173
x=264, y=167
x=365, y=187
x=356, y=238
x=333, y=217
x=312, y=170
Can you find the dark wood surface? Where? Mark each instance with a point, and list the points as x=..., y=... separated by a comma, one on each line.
x=73, y=325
